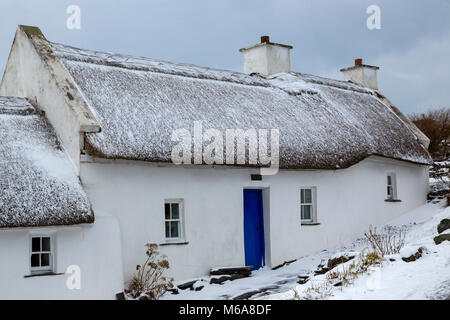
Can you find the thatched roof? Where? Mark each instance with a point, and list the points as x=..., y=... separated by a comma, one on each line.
x=38, y=182
x=323, y=123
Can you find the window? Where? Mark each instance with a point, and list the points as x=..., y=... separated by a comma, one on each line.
x=173, y=210
x=391, y=191
x=307, y=205
x=41, y=254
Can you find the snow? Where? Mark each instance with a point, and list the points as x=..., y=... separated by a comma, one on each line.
x=39, y=184
x=426, y=278
x=323, y=123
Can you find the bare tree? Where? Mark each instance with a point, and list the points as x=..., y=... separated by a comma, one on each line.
x=435, y=124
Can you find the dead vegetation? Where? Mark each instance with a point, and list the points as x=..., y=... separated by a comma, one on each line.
x=149, y=283
x=341, y=276
x=435, y=124
x=389, y=242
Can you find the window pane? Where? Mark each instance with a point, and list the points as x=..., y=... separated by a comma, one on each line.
x=36, y=244
x=45, y=259
x=167, y=210
x=175, y=211
x=167, y=229
x=389, y=180
x=35, y=260
x=46, y=244
x=389, y=191
x=308, y=196
x=306, y=212
x=302, y=196
x=174, y=229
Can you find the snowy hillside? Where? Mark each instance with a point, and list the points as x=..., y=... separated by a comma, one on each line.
x=362, y=277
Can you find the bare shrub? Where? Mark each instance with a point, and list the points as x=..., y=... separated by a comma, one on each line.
x=389, y=242
x=440, y=181
x=149, y=282
x=435, y=124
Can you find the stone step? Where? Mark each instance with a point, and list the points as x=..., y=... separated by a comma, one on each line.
x=222, y=271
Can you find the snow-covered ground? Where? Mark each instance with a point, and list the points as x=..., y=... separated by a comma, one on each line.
x=426, y=278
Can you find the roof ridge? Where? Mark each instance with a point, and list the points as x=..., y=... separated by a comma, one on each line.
x=137, y=63
x=181, y=69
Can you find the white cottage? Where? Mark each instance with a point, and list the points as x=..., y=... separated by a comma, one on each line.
x=347, y=157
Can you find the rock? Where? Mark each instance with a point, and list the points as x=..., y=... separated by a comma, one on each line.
x=120, y=296
x=338, y=260
x=246, y=295
x=441, y=238
x=321, y=270
x=414, y=256
x=333, y=262
x=303, y=279
x=286, y=263
x=338, y=284
x=283, y=281
x=391, y=259
x=249, y=294
x=187, y=285
x=443, y=225
x=222, y=279
x=199, y=285
x=173, y=290
x=219, y=280
x=231, y=271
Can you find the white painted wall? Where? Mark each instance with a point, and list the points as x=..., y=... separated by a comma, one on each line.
x=364, y=76
x=95, y=248
x=266, y=59
x=33, y=71
x=348, y=201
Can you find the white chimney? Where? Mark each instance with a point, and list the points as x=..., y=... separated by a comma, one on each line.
x=266, y=58
x=362, y=74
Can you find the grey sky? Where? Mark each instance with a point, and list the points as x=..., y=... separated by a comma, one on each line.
x=412, y=48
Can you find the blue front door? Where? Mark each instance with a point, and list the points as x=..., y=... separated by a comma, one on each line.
x=253, y=228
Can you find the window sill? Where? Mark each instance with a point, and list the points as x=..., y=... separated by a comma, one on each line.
x=44, y=274
x=392, y=200
x=310, y=223
x=174, y=243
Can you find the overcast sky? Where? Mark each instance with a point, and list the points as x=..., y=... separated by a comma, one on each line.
x=412, y=48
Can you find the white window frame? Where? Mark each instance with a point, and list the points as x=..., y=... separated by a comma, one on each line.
x=392, y=186
x=180, y=219
x=46, y=269
x=313, y=205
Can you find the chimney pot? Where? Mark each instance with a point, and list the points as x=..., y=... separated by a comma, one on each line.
x=358, y=62
x=265, y=39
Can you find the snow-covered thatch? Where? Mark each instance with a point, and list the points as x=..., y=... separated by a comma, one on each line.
x=323, y=123
x=39, y=185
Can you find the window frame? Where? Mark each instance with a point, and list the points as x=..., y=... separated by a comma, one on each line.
x=392, y=185
x=313, y=205
x=42, y=269
x=181, y=235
